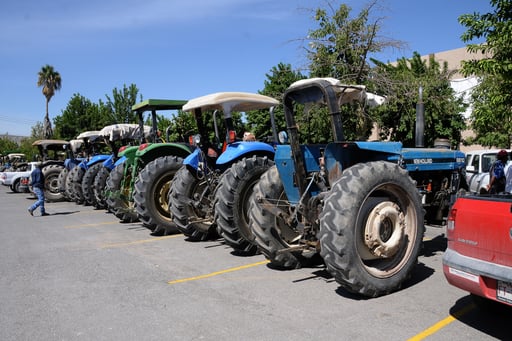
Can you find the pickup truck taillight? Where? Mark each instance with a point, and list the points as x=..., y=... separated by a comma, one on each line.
x=450, y=225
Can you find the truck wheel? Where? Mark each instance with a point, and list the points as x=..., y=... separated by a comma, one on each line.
x=15, y=187
x=100, y=182
x=151, y=194
x=189, y=214
x=371, y=228
x=76, y=185
x=272, y=233
x=232, y=202
x=117, y=198
x=61, y=183
x=88, y=182
x=51, y=176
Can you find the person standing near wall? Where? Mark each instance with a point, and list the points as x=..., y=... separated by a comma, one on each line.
x=37, y=183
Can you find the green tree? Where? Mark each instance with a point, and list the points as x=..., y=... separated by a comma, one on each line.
x=401, y=83
x=492, y=99
x=340, y=47
x=50, y=80
x=278, y=80
x=120, y=105
x=7, y=145
x=81, y=115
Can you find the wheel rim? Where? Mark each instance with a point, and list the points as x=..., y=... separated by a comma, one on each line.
x=386, y=230
x=160, y=196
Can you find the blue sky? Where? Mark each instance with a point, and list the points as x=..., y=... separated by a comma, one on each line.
x=180, y=49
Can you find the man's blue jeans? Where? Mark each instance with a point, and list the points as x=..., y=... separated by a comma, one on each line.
x=40, y=199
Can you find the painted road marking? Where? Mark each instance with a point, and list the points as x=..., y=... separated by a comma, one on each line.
x=114, y=245
x=443, y=323
x=217, y=273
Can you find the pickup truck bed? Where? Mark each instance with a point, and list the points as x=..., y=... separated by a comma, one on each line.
x=13, y=178
x=479, y=254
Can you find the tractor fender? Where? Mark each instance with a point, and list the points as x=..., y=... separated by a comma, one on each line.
x=119, y=161
x=237, y=150
x=192, y=160
x=97, y=158
x=156, y=150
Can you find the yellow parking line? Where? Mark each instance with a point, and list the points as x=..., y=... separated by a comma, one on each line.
x=217, y=272
x=443, y=323
x=113, y=245
x=89, y=225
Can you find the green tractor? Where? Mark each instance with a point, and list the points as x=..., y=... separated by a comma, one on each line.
x=141, y=185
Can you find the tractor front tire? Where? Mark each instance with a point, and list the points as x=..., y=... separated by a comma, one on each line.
x=189, y=214
x=100, y=182
x=88, y=183
x=116, y=196
x=232, y=202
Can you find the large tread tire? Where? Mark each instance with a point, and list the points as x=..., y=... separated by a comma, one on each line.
x=76, y=185
x=232, y=202
x=184, y=186
x=61, y=183
x=88, y=183
x=51, y=176
x=116, y=200
x=271, y=233
x=151, y=194
x=371, y=228
x=100, y=182
x=70, y=193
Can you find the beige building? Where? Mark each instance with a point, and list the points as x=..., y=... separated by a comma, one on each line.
x=462, y=85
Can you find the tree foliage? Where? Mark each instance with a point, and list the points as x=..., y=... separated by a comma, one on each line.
x=120, y=104
x=81, y=115
x=492, y=99
x=401, y=85
x=278, y=80
x=340, y=47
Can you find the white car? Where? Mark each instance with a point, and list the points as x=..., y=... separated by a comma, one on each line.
x=478, y=163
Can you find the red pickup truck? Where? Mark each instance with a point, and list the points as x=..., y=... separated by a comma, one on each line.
x=479, y=254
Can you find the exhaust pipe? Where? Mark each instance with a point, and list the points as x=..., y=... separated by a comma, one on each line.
x=420, y=121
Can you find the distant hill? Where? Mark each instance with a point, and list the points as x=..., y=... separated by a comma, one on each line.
x=14, y=138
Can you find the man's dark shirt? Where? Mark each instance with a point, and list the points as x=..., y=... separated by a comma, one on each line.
x=37, y=178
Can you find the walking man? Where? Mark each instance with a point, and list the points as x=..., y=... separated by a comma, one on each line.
x=37, y=183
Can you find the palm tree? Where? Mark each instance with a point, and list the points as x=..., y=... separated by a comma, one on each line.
x=50, y=80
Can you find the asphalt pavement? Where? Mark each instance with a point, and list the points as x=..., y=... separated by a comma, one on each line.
x=79, y=274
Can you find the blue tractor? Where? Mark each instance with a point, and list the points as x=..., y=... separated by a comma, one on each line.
x=360, y=207
x=195, y=188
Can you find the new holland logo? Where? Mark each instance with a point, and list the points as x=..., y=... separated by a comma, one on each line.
x=422, y=161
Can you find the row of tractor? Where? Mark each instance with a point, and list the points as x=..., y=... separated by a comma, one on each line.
x=359, y=207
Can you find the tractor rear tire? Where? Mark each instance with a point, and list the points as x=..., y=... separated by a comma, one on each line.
x=232, y=202
x=100, y=182
x=51, y=176
x=61, y=181
x=271, y=233
x=88, y=183
x=151, y=194
x=70, y=193
x=371, y=228
x=116, y=201
x=76, y=185
x=188, y=218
